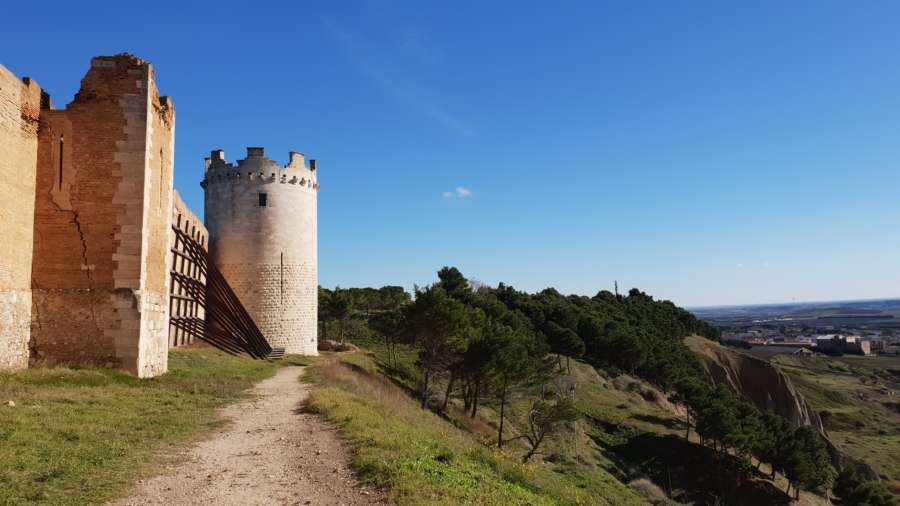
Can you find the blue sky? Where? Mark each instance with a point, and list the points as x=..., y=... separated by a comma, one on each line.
x=706, y=152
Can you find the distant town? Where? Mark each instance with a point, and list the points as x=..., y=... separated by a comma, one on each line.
x=869, y=328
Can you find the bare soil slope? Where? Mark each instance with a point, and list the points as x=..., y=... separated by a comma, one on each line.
x=756, y=380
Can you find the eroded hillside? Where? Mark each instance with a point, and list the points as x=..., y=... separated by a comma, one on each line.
x=851, y=400
x=756, y=380
x=857, y=399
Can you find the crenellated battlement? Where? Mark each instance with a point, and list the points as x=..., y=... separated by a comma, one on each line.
x=261, y=218
x=87, y=198
x=257, y=169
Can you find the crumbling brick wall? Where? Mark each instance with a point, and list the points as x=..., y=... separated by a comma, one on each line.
x=20, y=103
x=103, y=209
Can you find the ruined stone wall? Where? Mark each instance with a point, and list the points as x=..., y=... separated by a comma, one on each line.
x=20, y=104
x=262, y=227
x=156, y=248
x=183, y=304
x=102, y=209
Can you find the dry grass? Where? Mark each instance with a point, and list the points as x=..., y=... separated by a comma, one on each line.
x=478, y=425
x=893, y=486
x=374, y=387
x=424, y=459
x=854, y=392
x=648, y=490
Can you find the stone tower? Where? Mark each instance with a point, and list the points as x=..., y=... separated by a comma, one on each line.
x=261, y=219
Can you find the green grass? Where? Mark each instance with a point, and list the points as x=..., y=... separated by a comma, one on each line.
x=854, y=393
x=614, y=401
x=622, y=414
x=83, y=435
x=426, y=460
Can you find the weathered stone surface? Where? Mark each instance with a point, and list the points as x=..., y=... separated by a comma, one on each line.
x=265, y=246
x=20, y=104
x=103, y=209
x=87, y=205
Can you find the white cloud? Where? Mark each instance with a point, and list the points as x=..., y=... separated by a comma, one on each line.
x=459, y=192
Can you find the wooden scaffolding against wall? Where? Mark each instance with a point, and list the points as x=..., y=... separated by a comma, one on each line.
x=202, y=304
x=187, y=315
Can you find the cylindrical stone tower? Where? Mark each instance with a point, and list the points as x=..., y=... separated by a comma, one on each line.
x=261, y=219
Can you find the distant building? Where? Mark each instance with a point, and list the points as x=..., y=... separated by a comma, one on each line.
x=766, y=352
x=829, y=344
x=834, y=344
x=865, y=347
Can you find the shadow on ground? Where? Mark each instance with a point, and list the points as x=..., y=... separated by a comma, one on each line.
x=693, y=474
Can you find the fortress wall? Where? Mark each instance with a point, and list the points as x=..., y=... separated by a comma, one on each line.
x=156, y=258
x=20, y=104
x=188, y=222
x=268, y=253
x=103, y=202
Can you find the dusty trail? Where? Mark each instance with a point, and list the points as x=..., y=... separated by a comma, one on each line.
x=270, y=454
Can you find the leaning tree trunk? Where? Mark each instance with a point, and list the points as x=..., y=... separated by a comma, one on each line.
x=467, y=396
x=425, y=389
x=502, y=418
x=392, y=350
x=447, y=393
x=530, y=454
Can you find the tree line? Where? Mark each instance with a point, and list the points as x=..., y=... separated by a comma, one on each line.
x=498, y=343
x=336, y=307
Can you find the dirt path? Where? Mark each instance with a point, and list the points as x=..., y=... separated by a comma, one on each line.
x=271, y=454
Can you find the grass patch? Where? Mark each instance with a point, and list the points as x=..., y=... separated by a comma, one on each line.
x=853, y=396
x=83, y=435
x=424, y=459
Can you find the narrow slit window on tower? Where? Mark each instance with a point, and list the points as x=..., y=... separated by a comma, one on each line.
x=61, y=139
x=263, y=199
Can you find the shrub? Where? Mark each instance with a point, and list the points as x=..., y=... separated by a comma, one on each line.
x=648, y=490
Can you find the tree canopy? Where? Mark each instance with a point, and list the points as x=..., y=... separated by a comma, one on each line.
x=493, y=344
